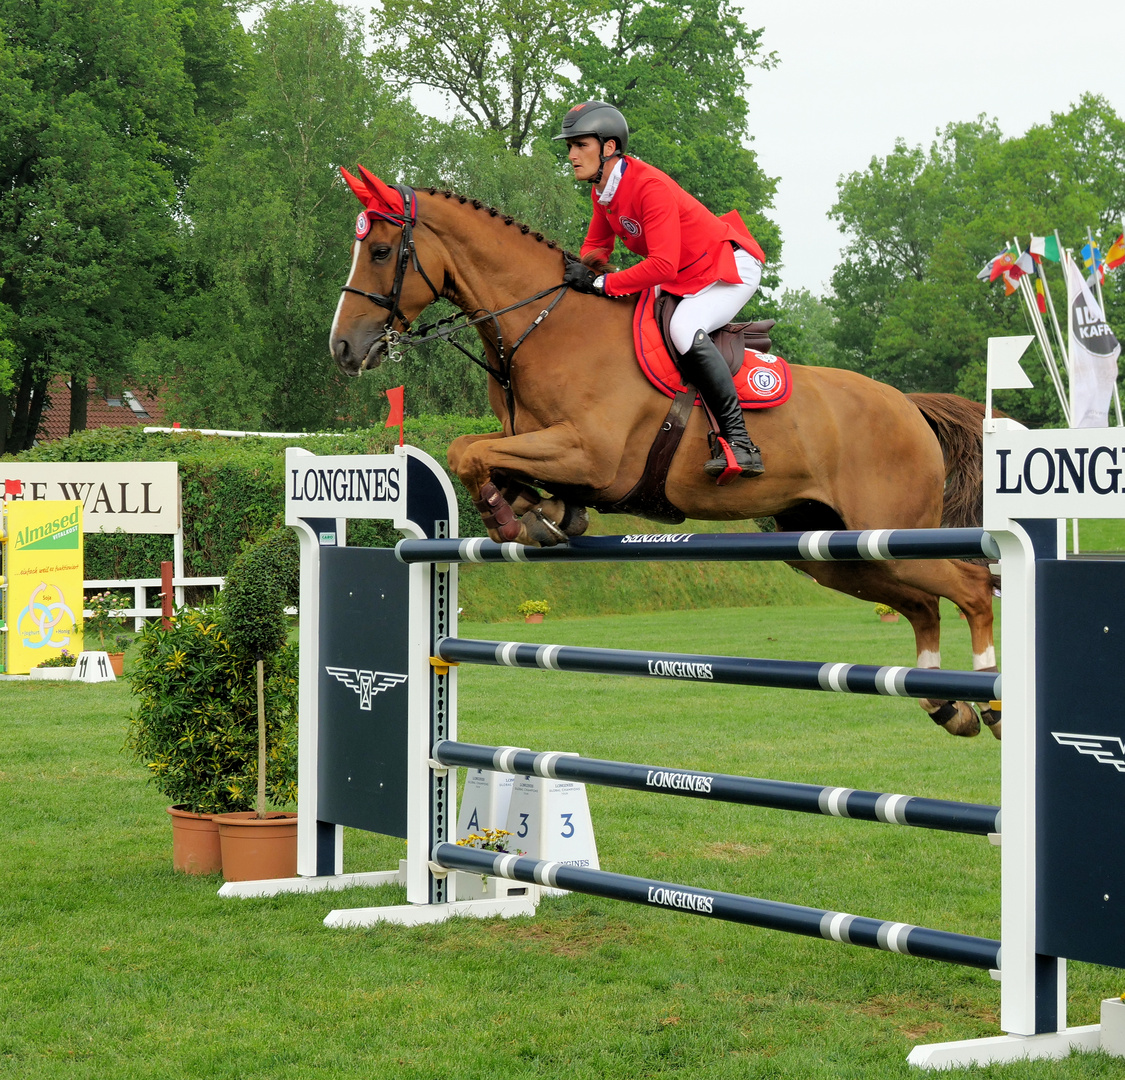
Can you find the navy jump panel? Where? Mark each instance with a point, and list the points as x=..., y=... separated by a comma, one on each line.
x=1080, y=760
x=362, y=768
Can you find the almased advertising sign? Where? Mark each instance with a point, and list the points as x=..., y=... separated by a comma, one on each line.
x=43, y=573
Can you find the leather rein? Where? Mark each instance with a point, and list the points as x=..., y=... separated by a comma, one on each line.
x=394, y=341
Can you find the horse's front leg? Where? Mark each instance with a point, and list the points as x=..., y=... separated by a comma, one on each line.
x=511, y=509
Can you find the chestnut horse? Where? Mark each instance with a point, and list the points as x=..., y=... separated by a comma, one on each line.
x=579, y=417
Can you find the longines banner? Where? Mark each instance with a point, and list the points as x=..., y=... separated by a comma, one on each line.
x=43, y=566
x=133, y=496
x=1056, y=473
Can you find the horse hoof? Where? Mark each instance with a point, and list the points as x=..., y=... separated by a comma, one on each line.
x=575, y=521
x=541, y=530
x=966, y=723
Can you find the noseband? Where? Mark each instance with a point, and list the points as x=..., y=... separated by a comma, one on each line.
x=407, y=252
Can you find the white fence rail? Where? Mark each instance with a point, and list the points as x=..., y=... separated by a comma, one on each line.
x=140, y=609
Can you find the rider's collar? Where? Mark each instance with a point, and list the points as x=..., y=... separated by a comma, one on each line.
x=610, y=188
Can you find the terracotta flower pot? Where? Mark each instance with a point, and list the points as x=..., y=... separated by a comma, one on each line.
x=893, y=617
x=117, y=662
x=536, y=616
x=195, y=842
x=256, y=849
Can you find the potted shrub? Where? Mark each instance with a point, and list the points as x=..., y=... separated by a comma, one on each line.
x=886, y=613
x=533, y=610
x=258, y=844
x=195, y=728
x=104, y=618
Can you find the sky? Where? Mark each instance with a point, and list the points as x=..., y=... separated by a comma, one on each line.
x=853, y=76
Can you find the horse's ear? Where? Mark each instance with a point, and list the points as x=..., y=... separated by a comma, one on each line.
x=383, y=193
x=359, y=190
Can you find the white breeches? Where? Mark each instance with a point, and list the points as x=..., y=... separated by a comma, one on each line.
x=715, y=305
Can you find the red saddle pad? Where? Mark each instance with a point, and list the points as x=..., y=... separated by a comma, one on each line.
x=763, y=380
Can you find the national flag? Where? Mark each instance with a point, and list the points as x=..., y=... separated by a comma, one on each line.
x=1091, y=256
x=1023, y=265
x=1115, y=256
x=394, y=417
x=1044, y=247
x=986, y=273
x=1093, y=355
x=1040, y=296
x=1000, y=264
x=1010, y=285
x=1097, y=275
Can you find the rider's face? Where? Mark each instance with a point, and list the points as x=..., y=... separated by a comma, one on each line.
x=585, y=157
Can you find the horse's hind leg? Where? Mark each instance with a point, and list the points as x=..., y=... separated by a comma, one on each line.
x=877, y=583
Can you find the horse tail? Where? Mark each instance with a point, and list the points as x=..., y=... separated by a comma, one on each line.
x=959, y=426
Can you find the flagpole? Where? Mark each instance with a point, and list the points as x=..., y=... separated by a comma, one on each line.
x=1040, y=332
x=1041, y=269
x=1096, y=256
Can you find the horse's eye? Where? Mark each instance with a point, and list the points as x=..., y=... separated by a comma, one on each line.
x=380, y=252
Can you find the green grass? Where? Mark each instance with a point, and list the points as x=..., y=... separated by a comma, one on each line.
x=112, y=966
x=1098, y=534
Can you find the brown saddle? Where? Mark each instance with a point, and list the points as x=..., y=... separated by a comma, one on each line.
x=731, y=340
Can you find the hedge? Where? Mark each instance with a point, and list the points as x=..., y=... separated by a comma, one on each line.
x=234, y=488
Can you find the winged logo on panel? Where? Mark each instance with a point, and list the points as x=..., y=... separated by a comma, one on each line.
x=1108, y=749
x=365, y=683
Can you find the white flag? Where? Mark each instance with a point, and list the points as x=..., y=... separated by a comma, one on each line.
x=1093, y=354
x=1003, y=371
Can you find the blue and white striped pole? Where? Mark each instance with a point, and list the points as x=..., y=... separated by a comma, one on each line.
x=742, y=671
x=972, y=818
x=772, y=915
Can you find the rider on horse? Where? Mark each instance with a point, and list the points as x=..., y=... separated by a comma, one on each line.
x=714, y=264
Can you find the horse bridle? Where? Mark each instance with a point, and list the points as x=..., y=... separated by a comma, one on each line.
x=407, y=252
x=394, y=341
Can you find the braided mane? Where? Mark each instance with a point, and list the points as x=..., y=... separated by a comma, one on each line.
x=476, y=204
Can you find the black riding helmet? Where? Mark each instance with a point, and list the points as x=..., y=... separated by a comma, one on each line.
x=600, y=119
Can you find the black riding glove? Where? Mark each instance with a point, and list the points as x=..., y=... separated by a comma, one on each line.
x=582, y=279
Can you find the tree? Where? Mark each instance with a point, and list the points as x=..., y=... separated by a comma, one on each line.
x=500, y=59
x=98, y=121
x=909, y=308
x=679, y=73
x=804, y=330
x=268, y=228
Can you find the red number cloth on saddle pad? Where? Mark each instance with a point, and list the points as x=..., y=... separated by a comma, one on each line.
x=761, y=382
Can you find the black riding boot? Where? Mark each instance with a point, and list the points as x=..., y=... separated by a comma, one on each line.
x=704, y=367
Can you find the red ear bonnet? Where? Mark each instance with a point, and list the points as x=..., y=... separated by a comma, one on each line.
x=373, y=193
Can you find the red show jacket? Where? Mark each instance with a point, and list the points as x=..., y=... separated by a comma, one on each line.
x=685, y=246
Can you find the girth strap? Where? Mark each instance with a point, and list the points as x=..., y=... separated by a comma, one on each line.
x=647, y=496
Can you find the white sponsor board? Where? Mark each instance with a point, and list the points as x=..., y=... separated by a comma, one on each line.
x=133, y=496
x=1063, y=473
x=345, y=486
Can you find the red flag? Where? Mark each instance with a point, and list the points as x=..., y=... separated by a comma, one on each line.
x=1040, y=297
x=1116, y=254
x=394, y=417
x=1000, y=264
x=13, y=487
